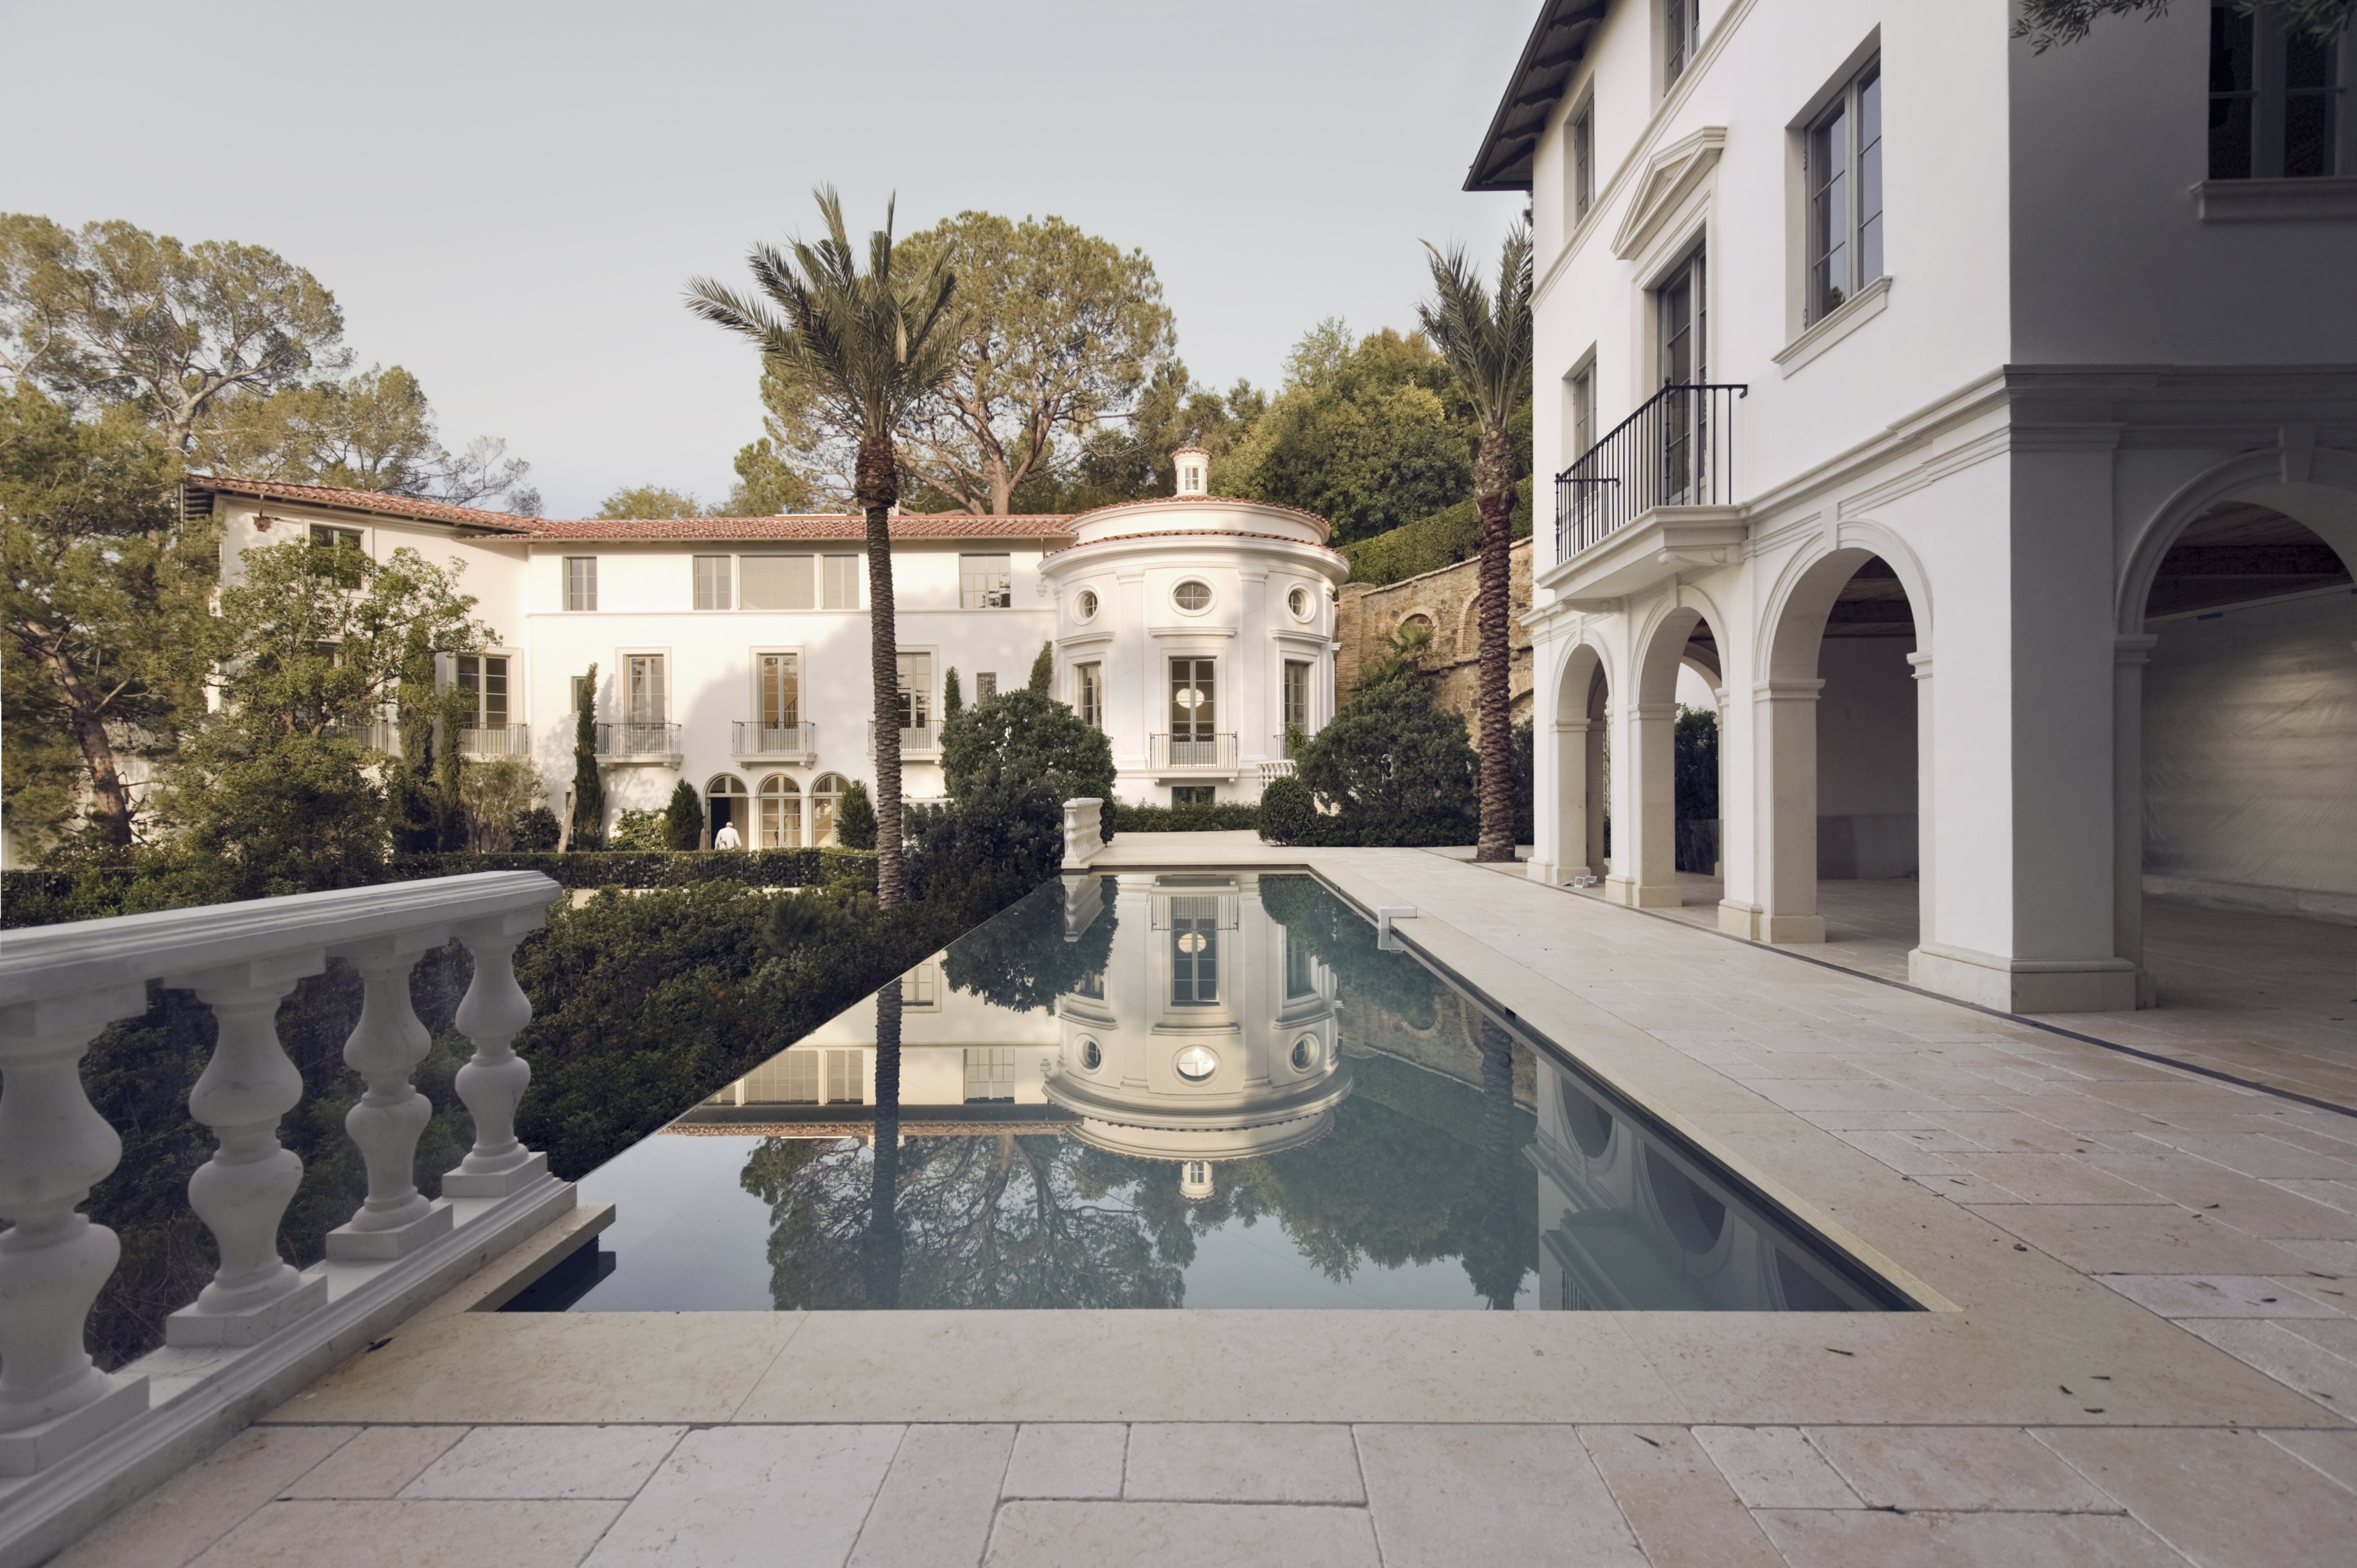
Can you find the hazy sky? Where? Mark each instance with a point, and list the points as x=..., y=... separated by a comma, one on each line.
x=508, y=199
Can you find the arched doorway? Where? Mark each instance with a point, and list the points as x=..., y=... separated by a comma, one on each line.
x=779, y=813
x=825, y=806
x=2237, y=849
x=1838, y=764
x=1582, y=768
x=1679, y=649
x=724, y=799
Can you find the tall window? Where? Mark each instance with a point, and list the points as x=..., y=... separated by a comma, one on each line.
x=1088, y=689
x=1194, y=712
x=990, y=1075
x=1683, y=317
x=712, y=581
x=1580, y=166
x=826, y=801
x=1580, y=408
x=986, y=685
x=642, y=688
x=839, y=582
x=582, y=695
x=916, y=692
x=781, y=693
x=1300, y=967
x=985, y=582
x=844, y=1078
x=1681, y=36
x=779, y=583
x=1297, y=692
x=1194, y=954
x=1844, y=163
x=778, y=816
x=340, y=553
x=581, y=582
x=484, y=677
x=2273, y=98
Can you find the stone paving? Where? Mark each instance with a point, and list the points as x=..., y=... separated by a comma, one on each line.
x=2142, y=1347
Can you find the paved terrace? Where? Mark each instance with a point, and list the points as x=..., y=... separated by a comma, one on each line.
x=2143, y=1348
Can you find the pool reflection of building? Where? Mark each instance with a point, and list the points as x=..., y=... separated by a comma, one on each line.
x=1628, y=1222
x=1208, y=1036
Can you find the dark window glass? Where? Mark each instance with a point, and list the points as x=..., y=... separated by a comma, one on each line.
x=2307, y=106
x=2230, y=92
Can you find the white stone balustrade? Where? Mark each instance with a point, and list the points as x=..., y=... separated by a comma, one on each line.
x=1083, y=832
x=60, y=987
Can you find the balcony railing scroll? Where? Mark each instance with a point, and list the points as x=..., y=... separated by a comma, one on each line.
x=1678, y=449
x=625, y=741
x=917, y=737
x=495, y=740
x=1177, y=753
x=265, y=1326
x=752, y=739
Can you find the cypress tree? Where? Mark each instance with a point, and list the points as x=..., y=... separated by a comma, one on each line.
x=1043, y=669
x=952, y=696
x=588, y=789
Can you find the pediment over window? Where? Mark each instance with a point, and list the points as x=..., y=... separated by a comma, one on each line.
x=1674, y=173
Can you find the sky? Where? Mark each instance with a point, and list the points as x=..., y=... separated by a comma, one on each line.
x=509, y=199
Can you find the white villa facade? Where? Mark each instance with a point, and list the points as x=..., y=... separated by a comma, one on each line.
x=1981, y=428
x=734, y=652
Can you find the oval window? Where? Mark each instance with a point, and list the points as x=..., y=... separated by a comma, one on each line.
x=1085, y=606
x=1196, y=1064
x=1299, y=600
x=1193, y=597
x=1305, y=1053
x=1091, y=1056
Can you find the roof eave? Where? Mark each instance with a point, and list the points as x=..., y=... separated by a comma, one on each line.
x=1558, y=41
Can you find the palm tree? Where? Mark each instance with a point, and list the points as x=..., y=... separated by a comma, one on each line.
x=1488, y=347
x=869, y=345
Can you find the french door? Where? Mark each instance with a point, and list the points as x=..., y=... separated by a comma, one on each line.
x=1194, y=714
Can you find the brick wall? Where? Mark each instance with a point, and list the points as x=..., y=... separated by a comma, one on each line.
x=1368, y=615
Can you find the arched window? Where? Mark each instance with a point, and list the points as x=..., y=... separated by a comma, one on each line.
x=781, y=814
x=826, y=800
x=724, y=798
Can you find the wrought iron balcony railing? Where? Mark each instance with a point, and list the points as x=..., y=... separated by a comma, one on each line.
x=496, y=740
x=619, y=742
x=1212, y=753
x=1678, y=449
x=919, y=737
x=752, y=740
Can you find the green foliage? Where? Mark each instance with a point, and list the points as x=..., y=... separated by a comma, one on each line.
x=855, y=816
x=683, y=818
x=589, y=784
x=2049, y=23
x=638, y=831
x=102, y=614
x=1696, y=765
x=1288, y=812
x=373, y=432
x=1022, y=959
x=1010, y=764
x=1399, y=767
x=536, y=831
x=1522, y=752
x=1130, y=460
x=1430, y=543
x=767, y=485
x=301, y=816
x=952, y=695
x=1043, y=670
x=1223, y=816
x=650, y=501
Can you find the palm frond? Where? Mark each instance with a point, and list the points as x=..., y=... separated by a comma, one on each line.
x=1486, y=342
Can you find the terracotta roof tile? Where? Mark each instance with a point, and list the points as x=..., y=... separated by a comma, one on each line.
x=1211, y=500
x=916, y=525
x=1205, y=533
x=364, y=501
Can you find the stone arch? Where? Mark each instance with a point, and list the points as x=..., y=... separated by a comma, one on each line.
x=1646, y=874
x=724, y=804
x=2323, y=500
x=1582, y=687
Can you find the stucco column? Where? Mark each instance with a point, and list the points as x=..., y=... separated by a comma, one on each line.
x=2130, y=653
x=1726, y=710
x=1927, y=808
x=1598, y=792
x=1784, y=717
x=1564, y=830
x=1648, y=875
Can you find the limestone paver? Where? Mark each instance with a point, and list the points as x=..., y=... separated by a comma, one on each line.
x=2217, y=1295
x=377, y=1463
x=737, y=1497
x=2334, y=1453
x=547, y=1462
x=1068, y=1459
x=2290, y=1357
x=1445, y=1496
x=2052, y=1178
x=1221, y=1461
x=1916, y=1469
x=1684, y=1513
x=2139, y=1238
x=2224, y=1498
x=1775, y=1467
x=1179, y=1535
x=938, y=1499
x=1854, y=1538
x=386, y=1534
x=174, y=1524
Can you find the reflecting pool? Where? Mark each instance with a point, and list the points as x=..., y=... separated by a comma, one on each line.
x=1199, y=1090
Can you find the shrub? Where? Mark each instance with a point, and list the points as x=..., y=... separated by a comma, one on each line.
x=1226, y=816
x=1398, y=767
x=1011, y=763
x=1431, y=543
x=855, y=818
x=637, y=830
x=1043, y=670
x=683, y=818
x=537, y=830
x=1288, y=812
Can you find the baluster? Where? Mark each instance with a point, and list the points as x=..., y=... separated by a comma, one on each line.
x=241, y=1192
x=385, y=1048
x=54, y=1147
x=493, y=1081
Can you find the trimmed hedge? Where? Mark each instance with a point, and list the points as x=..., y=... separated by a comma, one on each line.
x=1225, y=817
x=1430, y=543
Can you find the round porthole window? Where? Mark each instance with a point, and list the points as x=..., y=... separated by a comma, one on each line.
x=1195, y=1064
x=1298, y=602
x=1085, y=606
x=1305, y=1053
x=1192, y=596
x=1091, y=1058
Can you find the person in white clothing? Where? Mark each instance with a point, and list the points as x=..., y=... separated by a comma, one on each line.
x=727, y=837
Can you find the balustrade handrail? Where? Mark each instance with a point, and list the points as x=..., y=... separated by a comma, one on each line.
x=750, y=739
x=1676, y=449
x=637, y=737
x=1211, y=752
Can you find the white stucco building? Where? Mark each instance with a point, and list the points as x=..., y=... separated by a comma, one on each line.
x=734, y=652
x=1978, y=430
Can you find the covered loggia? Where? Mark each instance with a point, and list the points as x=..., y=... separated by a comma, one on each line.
x=1838, y=722
x=1678, y=669
x=2239, y=722
x=1583, y=767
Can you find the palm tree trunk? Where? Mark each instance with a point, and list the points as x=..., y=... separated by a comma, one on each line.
x=880, y=1250
x=1493, y=490
x=885, y=656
